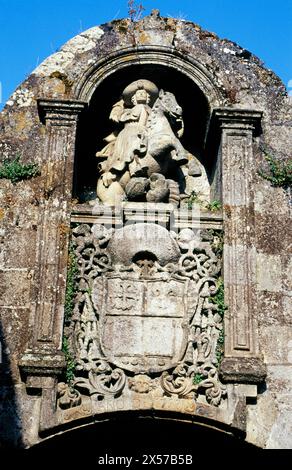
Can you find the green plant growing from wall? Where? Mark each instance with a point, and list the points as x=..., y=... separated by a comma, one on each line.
x=214, y=206
x=193, y=199
x=218, y=300
x=70, y=361
x=198, y=378
x=71, y=284
x=15, y=171
x=220, y=347
x=135, y=13
x=71, y=291
x=279, y=172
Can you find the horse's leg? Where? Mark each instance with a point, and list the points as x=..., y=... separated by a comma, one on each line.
x=111, y=194
x=174, y=193
x=178, y=153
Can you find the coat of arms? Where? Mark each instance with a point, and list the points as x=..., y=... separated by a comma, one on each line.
x=143, y=322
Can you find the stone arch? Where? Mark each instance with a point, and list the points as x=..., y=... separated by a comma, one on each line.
x=136, y=432
x=145, y=62
x=159, y=55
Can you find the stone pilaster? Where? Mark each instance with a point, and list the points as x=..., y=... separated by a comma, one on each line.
x=242, y=362
x=60, y=118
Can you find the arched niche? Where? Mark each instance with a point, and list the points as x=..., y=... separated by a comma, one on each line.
x=151, y=55
x=102, y=85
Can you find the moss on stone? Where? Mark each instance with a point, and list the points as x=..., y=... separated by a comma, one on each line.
x=15, y=171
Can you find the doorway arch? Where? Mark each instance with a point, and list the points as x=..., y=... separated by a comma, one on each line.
x=137, y=435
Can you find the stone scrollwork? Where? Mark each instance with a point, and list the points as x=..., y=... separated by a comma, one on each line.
x=102, y=380
x=68, y=397
x=214, y=390
x=96, y=375
x=145, y=323
x=180, y=382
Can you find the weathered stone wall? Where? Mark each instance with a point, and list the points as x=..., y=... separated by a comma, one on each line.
x=241, y=81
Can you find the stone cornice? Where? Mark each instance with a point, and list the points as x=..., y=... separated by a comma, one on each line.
x=60, y=110
x=233, y=118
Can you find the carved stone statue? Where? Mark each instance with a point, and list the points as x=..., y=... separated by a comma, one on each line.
x=143, y=161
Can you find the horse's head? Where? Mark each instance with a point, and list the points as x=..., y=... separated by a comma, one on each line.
x=169, y=104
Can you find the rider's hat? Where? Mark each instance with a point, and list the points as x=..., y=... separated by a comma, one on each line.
x=142, y=84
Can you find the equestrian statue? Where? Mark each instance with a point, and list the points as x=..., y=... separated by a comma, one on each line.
x=145, y=160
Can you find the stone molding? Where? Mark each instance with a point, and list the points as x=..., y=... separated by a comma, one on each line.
x=60, y=112
x=233, y=118
x=60, y=118
x=161, y=213
x=158, y=55
x=242, y=361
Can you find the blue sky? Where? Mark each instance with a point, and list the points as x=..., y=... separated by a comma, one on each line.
x=31, y=30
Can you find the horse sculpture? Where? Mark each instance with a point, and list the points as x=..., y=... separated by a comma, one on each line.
x=144, y=160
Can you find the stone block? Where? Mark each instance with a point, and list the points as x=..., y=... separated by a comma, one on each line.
x=270, y=308
x=287, y=309
x=274, y=343
x=240, y=256
x=10, y=430
x=259, y=421
x=14, y=338
x=30, y=413
x=247, y=370
x=15, y=287
x=241, y=218
x=20, y=249
x=279, y=387
x=279, y=380
x=272, y=233
x=263, y=202
x=269, y=272
x=281, y=432
x=287, y=272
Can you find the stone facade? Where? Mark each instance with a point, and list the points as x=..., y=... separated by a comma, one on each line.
x=144, y=330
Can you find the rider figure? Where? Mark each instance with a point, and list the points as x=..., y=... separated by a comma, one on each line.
x=123, y=150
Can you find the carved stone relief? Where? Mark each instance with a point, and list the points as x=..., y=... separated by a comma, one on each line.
x=144, y=321
x=145, y=160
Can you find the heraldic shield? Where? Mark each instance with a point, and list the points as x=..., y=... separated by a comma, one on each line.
x=144, y=324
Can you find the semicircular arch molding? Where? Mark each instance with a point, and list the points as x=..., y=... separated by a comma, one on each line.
x=186, y=422
x=155, y=55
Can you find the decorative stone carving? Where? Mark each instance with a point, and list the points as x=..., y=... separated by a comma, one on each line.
x=68, y=397
x=145, y=161
x=144, y=321
x=142, y=384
